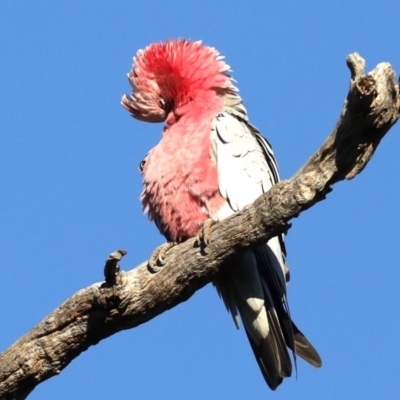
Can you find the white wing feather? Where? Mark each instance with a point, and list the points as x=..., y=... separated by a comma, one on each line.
x=246, y=168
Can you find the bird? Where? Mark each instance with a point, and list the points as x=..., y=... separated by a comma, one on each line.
x=210, y=163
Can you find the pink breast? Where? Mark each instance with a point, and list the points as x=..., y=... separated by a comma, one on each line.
x=181, y=184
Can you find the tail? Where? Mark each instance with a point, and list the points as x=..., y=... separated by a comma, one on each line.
x=254, y=287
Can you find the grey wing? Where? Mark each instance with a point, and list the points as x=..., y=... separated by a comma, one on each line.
x=246, y=169
x=254, y=285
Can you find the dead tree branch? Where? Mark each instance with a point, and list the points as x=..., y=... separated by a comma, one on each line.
x=128, y=299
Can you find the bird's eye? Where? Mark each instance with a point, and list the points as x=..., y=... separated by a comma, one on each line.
x=162, y=103
x=141, y=165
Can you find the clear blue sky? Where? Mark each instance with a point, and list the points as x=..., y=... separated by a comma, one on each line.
x=70, y=189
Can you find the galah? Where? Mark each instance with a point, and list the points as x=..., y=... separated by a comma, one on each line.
x=210, y=163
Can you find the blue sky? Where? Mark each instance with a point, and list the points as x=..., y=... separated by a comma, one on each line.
x=70, y=189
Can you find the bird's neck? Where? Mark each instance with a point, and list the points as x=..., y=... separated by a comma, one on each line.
x=194, y=109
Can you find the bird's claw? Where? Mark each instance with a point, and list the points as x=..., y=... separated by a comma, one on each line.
x=203, y=237
x=157, y=259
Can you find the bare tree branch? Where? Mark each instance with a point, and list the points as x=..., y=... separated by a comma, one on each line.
x=128, y=299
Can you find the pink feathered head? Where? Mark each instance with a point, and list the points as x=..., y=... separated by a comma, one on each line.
x=167, y=75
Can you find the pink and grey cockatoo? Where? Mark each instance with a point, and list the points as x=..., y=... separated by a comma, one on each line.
x=210, y=163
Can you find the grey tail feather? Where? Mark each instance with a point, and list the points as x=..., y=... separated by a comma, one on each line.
x=266, y=360
x=273, y=279
x=305, y=349
x=271, y=354
x=295, y=339
x=228, y=299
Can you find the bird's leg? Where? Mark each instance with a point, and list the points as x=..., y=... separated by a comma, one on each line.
x=203, y=237
x=157, y=259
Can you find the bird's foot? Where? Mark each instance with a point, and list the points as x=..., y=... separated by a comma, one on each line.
x=157, y=259
x=203, y=237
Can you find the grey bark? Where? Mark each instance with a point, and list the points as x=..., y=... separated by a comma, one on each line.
x=128, y=299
